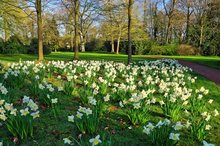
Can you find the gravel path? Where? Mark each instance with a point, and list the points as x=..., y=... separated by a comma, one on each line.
x=210, y=73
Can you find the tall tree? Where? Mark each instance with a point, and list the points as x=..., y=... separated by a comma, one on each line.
x=186, y=7
x=88, y=14
x=200, y=11
x=76, y=39
x=169, y=8
x=130, y=3
x=38, y=6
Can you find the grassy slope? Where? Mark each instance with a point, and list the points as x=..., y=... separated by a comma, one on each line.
x=213, y=62
x=67, y=56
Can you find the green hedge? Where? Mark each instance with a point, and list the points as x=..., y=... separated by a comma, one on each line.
x=33, y=48
x=12, y=46
x=164, y=50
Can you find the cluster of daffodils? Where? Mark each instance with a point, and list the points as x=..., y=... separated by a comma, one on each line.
x=137, y=98
x=3, y=90
x=22, y=69
x=158, y=132
x=46, y=86
x=7, y=109
x=19, y=121
x=32, y=108
x=93, y=141
x=53, y=100
x=81, y=111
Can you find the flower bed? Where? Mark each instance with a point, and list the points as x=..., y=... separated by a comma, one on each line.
x=160, y=97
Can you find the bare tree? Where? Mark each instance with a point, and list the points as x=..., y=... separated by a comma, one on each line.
x=200, y=11
x=186, y=7
x=38, y=6
x=88, y=14
x=76, y=40
x=130, y=3
x=169, y=8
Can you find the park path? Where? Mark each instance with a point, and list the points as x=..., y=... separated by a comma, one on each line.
x=210, y=73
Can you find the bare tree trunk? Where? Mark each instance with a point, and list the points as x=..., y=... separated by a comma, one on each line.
x=187, y=24
x=112, y=44
x=76, y=54
x=32, y=29
x=39, y=30
x=83, y=47
x=169, y=13
x=130, y=2
x=118, y=42
x=168, y=31
x=82, y=42
x=201, y=34
x=6, y=32
x=145, y=16
x=155, y=20
x=71, y=41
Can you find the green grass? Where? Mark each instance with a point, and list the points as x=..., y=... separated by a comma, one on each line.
x=68, y=56
x=210, y=61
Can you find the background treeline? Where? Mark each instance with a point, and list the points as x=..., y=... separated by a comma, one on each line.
x=164, y=27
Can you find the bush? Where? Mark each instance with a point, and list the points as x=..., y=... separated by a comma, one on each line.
x=1, y=66
x=33, y=48
x=142, y=47
x=14, y=46
x=185, y=49
x=2, y=45
x=164, y=50
x=95, y=45
x=124, y=47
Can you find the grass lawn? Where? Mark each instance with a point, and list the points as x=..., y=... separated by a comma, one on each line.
x=210, y=61
x=68, y=56
x=49, y=130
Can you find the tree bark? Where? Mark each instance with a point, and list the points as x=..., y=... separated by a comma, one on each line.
x=169, y=14
x=118, y=42
x=82, y=42
x=130, y=2
x=6, y=32
x=39, y=30
x=76, y=54
x=168, y=31
x=187, y=24
x=201, y=34
x=145, y=16
x=155, y=20
x=112, y=44
x=32, y=29
x=71, y=41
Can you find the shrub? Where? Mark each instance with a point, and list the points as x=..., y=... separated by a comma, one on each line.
x=164, y=50
x=1, y=66
x=156, y=50
x=47, y=48
x=185, y=49
x=95, y=45
x=124, y=47
x=14, y=46
x=33, y=48
x=142, y=47
x=2, y=45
